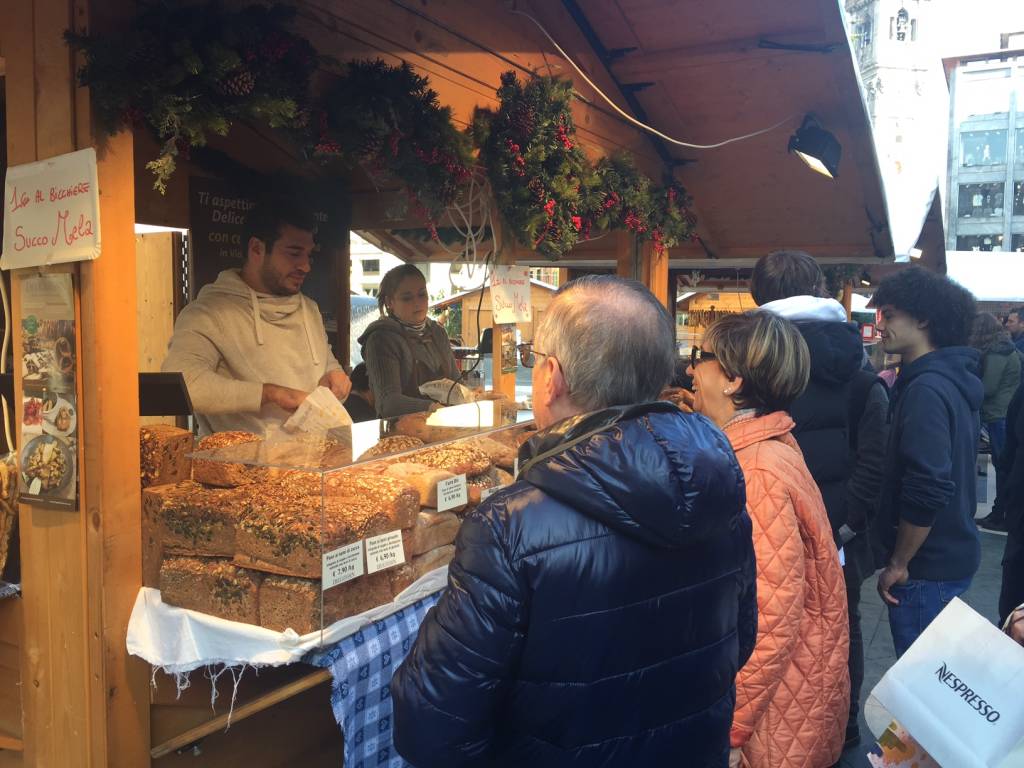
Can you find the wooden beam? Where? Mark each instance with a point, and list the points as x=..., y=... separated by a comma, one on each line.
x=627, y=263
x=343, y=289
x=654, y=266
x=637, y=65
x=247, y=710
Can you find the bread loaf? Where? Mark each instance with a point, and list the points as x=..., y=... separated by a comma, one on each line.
x=226, y=473
x=432, y=530
x=289, y=602
x=153, y=532
x=421, y=477
x=164, y=455
x=404, y=575
x=358, y=595
x=390, y=445
x=194, y=520
x=358, y=484
x=457, y=458
x=500, y=454
x=282, y=534
x=211, y=585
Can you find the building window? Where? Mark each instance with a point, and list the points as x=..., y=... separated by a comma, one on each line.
x=982, y=148
x=979, y=243
x=902, y=22
x=1018, y=243
x=980, y=200
x=1018, y=199
x=371, y=267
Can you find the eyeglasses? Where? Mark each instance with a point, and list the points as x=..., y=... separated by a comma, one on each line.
x=698, y=355
x=528, y=355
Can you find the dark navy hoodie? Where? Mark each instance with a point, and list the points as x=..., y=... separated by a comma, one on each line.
x=930, y=462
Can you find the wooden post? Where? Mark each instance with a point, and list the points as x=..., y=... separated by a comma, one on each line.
x=85, y=700
x=627, y=256
x=848, y=299
x=343, y=315
x=654, y=270
x=505, y=383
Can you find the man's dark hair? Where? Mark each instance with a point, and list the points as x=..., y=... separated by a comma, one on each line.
x=1018, y=311
x=782, y=274
x=947, y=308
x=360, y=378
x=265, y=220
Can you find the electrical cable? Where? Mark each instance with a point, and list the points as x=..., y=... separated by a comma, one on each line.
x=628, y=117
x=3, y=359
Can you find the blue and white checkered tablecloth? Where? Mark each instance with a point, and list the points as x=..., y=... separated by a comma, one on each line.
x=362, y=665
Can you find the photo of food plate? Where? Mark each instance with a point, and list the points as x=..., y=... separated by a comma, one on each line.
x=46, y=465
x=59, y=416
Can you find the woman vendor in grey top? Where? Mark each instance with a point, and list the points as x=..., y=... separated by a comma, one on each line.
x=405, y=348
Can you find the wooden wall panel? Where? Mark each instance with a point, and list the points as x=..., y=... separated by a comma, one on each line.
x=10, y=667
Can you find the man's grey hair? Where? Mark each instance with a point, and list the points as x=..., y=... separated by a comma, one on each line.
x=614, y=340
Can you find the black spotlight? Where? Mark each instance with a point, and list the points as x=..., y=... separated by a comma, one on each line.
x=816, y=147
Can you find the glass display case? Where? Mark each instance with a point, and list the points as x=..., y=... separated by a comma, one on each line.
x=298, y=531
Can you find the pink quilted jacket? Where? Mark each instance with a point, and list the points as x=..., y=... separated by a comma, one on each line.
x=793, y=695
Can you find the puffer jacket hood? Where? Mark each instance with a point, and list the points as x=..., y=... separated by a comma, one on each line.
x=265, y=307
x=598, y=609
x=1003, y=347
x=958, y=366
x=580, y=460
x=836, y=350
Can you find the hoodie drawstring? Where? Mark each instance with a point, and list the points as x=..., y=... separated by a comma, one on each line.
x=309, y=337
x=256, y=321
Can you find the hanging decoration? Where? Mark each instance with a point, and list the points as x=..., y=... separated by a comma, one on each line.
x=187, y=71
x=542, y=181
x=388, y=120
x=838, y=275
x=548, y=191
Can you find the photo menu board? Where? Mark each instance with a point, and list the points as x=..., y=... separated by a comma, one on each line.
x=217, y=217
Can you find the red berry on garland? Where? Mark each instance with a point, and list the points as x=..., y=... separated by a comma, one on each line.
x=577, y=222
x=549, y=208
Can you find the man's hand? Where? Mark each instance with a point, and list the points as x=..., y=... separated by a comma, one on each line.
x=735, y=757
x=284, y=397
x=338, y=382
x=890, y=576
x=1015, y=626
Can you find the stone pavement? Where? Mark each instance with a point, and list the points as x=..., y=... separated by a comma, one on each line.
x=879, y=655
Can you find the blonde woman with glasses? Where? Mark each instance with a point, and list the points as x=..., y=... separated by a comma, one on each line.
x=792, y=696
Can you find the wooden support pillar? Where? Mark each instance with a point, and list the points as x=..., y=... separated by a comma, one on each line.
x=86, y=702
x=343, y=315
x=627, y=255
x=848, y=299
x=654, y=274
x=504, y=381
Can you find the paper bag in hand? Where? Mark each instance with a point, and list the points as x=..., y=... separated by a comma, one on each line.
x=318, y=413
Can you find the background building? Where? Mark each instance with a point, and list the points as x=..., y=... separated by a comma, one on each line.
x=985, y=201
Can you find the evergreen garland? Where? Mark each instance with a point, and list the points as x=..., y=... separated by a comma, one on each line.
x=541, y=179
x=190, y=70
x=389, y=121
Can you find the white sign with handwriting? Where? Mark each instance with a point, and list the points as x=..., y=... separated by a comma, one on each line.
x=52, y=211
x=342, y=564
x=510, y=294
x=452, y=493
x=384, y=551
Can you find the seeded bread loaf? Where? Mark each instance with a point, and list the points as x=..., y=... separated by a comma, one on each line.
x=164, y=455
x=501, y=454
x=288, y=602
x=154, y=500
x=457, y=458
x=432, y=530
x=390, y=445
x=211, y=585
x=226, y=473
x=421, y=477
x=282, y=534
x=404, y=575
x=359, y=484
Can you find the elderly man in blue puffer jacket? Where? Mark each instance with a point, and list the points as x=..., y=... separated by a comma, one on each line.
x=598, y=609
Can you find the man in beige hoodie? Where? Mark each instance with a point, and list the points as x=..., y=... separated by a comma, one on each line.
x=251, y=346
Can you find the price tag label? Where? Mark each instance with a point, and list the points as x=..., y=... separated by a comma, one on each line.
x=452, y=493
x=384, y=551
x=342, y=564
x=488, y=492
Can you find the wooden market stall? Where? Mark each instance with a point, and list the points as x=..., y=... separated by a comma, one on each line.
x=700, y=70
x=467, y=305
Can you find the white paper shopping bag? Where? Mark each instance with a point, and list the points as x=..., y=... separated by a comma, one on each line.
x=959, y=691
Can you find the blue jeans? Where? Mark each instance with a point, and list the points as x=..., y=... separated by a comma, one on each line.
x=920, y=602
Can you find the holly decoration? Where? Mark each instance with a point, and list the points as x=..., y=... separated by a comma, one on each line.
x=671, y=220
x=389, y=121
x=542, y=181
x=187, y=71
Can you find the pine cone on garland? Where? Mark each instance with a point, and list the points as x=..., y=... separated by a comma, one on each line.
x=240, y=83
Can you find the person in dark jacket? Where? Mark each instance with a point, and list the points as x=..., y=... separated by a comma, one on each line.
x=926, y=517
x=599, y=608
x=405, y=348
x=1015, y=326
x=840, y=425
x=360, y=400
x=1000, y=375
x=1011, y=501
